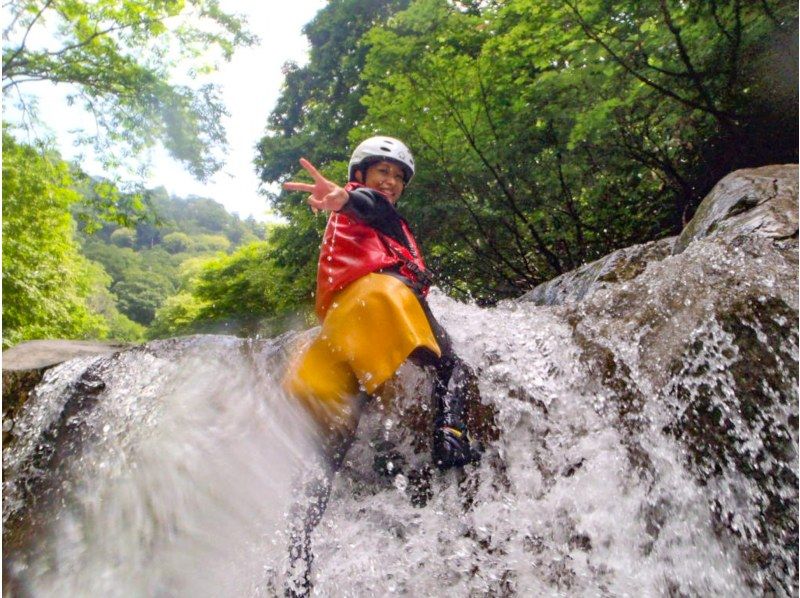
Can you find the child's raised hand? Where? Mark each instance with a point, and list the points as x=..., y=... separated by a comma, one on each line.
x=325, y=195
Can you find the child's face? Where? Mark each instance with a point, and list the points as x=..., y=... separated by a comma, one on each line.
x=386, y=177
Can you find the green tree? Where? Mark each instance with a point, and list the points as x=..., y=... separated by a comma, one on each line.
x=242, y=293
x=549, y=133
x=103, y=302
x=117, y=58
x=177, y=242
x=179, y=314
x=320, y=101
x=211, y=243
x=46, y=281
x=124, y=237
x=140, y=294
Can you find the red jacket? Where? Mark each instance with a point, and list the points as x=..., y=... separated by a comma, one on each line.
x=361, y=238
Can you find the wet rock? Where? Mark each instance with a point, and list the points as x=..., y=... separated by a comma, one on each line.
x=25, y=364
x=759, y=201
x=755, y=201
x=624, y=264
x=42, y=354
x=711, y=339
x=17, y=387
x=36, y=456
x=740, y=426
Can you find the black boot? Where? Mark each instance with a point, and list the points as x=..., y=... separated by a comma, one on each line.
x=452, y=446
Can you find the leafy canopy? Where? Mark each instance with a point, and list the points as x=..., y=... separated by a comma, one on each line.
x=119, y=60
x=46, y=281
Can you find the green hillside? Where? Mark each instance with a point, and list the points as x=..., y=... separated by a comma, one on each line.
x=156, y=258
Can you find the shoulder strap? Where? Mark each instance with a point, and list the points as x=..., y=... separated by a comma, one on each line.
x=424, y=276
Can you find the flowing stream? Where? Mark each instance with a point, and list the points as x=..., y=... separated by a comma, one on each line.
x=169, y=471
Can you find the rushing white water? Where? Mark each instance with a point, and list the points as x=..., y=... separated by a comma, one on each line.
x=184, y=472
x=182, y=478
x=557, y=508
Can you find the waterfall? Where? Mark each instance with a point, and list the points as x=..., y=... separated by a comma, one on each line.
x=173, y=483
x=640, y=440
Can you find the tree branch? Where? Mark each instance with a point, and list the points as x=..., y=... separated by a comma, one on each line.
x=7, y=63
x=769, y=12
x=687, y=61
x=736, y=44
x=101, y=33
x=718, y=21
x=458, y=193
x=721, y=116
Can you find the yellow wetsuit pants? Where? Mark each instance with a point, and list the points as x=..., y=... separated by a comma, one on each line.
x=371, y=328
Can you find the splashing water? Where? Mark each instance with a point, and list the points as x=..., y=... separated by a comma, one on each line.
x=593, y=485
x=181, y=481
x=555, y=507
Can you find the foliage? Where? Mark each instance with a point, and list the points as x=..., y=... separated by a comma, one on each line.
x=103, y=302
x=104, y=204
x=212, y=243
x=117, y=59
x=145, y=264
x=140, y=294
x=242, y=293
x=124, y=237
x=546, y=132
x=550, y=132
x=46, y=282
x=177, y=242
x=178, y=315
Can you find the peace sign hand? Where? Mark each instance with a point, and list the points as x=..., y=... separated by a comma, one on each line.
x=325, y=195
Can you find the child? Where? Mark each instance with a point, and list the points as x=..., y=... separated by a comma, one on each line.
x=371, y=289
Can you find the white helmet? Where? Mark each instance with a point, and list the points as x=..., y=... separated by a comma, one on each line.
x=383, y=148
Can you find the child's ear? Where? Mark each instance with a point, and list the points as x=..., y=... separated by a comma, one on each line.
x=358, y=176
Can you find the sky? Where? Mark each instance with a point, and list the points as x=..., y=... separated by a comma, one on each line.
x=250, y=83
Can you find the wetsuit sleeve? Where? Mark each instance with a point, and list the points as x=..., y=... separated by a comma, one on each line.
x=369, y=206
x=373, y=209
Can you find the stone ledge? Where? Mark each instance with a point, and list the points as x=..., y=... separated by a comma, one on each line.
x=41, y=354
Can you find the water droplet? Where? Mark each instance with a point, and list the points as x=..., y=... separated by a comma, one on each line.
x=401, y=482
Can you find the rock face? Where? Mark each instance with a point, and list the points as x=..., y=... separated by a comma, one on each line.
x=42, y=354
x=25, y=364
x=641, y=432
x=758, y=201
x=715, y=334
x=623, y=264
x=715, y=345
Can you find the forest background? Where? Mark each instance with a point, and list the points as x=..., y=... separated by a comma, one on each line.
x=547, y=133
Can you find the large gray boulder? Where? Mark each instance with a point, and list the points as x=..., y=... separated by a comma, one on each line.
x=757, y=201
x=754, y=201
